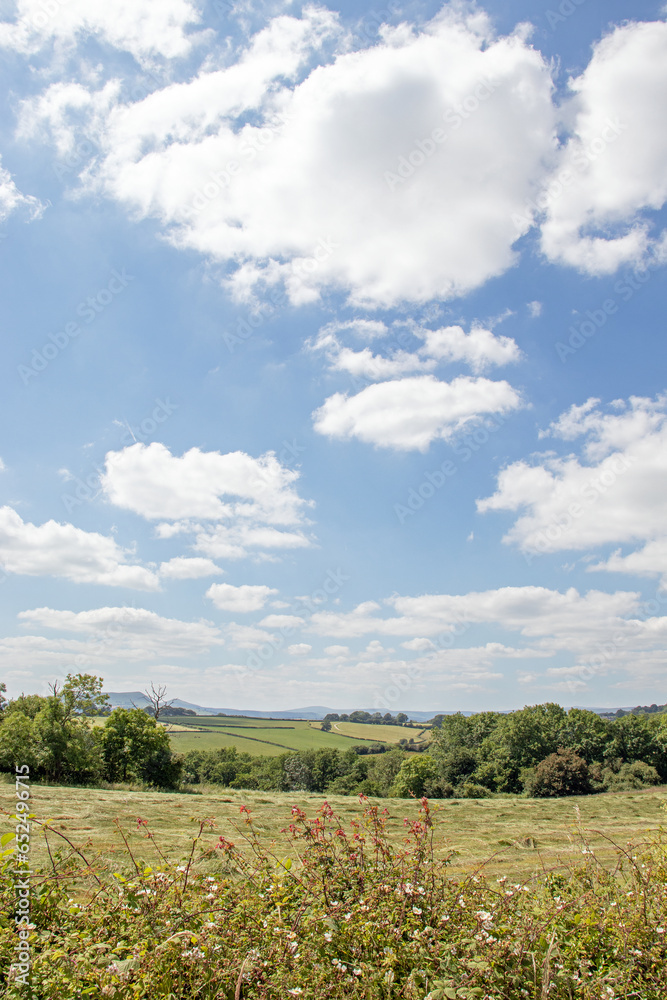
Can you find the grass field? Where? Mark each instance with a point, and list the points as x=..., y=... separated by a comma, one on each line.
x=268, y=737
x=518, y=835
x=381, y=734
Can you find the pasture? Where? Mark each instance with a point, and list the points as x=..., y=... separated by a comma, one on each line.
x=509, y=834
x=269, y=737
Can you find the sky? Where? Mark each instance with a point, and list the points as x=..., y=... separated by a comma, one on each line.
x=333, y=351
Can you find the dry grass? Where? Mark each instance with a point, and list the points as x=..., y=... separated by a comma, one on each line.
x=510, y=833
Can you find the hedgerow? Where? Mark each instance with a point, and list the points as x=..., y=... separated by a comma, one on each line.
x=346, y=914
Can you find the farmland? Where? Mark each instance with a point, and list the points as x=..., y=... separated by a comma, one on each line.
x=520, y=835
x=268, y=737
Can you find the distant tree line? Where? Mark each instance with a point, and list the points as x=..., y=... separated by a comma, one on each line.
x=540, y=750
x=374, y=719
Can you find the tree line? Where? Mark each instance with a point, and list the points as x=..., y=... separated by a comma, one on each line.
x=540, y=750
x=54, y=737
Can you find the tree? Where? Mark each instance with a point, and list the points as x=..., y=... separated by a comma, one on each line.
x=417, y=776
x=325, y=726
x=401, y=718
x=81, y=694
x=561, y=773
x=158, y=702
x=586, y=733
x=135, y=747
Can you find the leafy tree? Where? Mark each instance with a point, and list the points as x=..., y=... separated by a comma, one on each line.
x=586, y=733
x=561, y=773
x=417, y=776
x=456, y=765
x=135, y=747
x=401, y=718
x=81, y=694
x=528, y=736
x=325, y=726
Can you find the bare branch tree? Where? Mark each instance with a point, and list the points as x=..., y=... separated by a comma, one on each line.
x=156, y=697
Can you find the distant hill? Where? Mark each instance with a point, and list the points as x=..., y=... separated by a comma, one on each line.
x=126, y=699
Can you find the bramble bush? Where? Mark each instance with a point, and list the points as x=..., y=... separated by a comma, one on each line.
x=346, y=915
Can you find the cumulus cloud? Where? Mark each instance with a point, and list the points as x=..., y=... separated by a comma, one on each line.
x=53, y=549
x=188, y=568
x=141, y=27
x=410, y=413
x=247, y=502
x=233, y=161
x=480, y=348
x=13, y=200
x=299, y=649
x=616, y=494
x=243, y=599
x=613, y=167
x=125, y=633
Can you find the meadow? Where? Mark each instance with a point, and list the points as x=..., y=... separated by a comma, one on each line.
x=269, y=737
x=248, y=896
x=507, y=834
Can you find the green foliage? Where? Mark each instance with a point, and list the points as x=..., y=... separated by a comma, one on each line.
x=339, y=914
x=561, y=773
x=134, y=746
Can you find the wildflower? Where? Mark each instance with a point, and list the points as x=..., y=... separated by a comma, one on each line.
x=416, y=909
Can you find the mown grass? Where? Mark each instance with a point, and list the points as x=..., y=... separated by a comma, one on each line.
x=508, y=833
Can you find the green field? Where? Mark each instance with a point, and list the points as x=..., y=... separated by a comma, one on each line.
x=381, y=734
x=268, y=737
x=518, y=834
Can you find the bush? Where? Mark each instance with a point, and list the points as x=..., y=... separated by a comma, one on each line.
x=345, y=915
x=561, y=773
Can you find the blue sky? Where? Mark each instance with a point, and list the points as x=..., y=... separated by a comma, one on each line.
x=333, y=345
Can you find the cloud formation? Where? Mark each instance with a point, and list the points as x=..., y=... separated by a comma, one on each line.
x=61, y=550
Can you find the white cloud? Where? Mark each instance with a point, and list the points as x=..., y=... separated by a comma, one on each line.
x=188, y=568
x=617, y=495
x=411, y=413
x=281, y=621
x=249, y=637
x=616, y=156
x=123, y=633
x=250, y=194
x=142, y=27
x=299, y=649
x=243, y=599
x=152, y=482
x=418, y=645
x=13, y=200
x=252, y=499
x=480, y=348
x=53, y=549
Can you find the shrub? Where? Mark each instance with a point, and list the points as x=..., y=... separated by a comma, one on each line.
x=561, y=773
x=344, y=916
